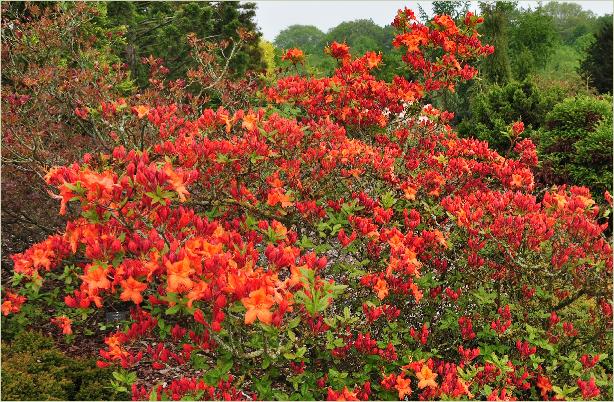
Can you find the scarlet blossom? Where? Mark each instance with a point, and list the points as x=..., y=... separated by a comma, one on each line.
x=403, y=386
x=294, y=55
x=588, y=388
x=12, y=303
x=381, y=288
x=83, y=113
x=589, y=362
x=518, y=128
x=543, y=383
x=63, y=322
x=343, y=395
x=339, y=51
x=608, y=197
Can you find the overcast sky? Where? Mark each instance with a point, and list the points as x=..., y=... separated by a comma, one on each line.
x=274, y=16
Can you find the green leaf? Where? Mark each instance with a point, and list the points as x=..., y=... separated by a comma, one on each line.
x=225, y=365
x=173, y=310
x=294, y=322
x=388, y=200
x=266, y=362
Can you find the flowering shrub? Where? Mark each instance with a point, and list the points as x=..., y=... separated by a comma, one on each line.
x=63, y=84
x=340, y=242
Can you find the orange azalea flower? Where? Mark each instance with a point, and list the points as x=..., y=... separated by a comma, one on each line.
x=115, y=346
x=102, y=182
x=132, y=290
x=560, y=200
x=12, y=303
x=543, y=383
x=411, y=265
x=23, y=266
x=373, y=59
x=96, y=278
x=274, y=181
x=280, y=229
x=178, y=276
x=338, y=50
x=258, y=305
x=395, y=242
x=381, y=287
x=294, y=55
x=296, y=276
x=224, y=117
x=141, y=111
x=73, y=238
x=516, y=180
x=411, y=42
x=200, y=248
x=64, y=323
x=588, y=202
x=392, y=266
x=176, y=181
x=199, y=290
x=235, y=283
x=465, y=386
x=276, y=196
x=416, y=292
x=40, y=257
x=403, y=386
x=7, y=307
x=426, y=377
x=343, y=395
x=440, y=238
x=249, y=121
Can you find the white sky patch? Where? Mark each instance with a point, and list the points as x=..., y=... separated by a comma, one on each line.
x=274, y=16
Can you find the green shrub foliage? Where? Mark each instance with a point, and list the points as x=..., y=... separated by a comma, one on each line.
x=576, y=142
x=34, y=369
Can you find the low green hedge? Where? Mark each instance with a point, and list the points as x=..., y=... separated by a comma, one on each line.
x=34, y=369
x=576, y=142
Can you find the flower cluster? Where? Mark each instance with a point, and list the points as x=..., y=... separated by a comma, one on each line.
x=359, y=250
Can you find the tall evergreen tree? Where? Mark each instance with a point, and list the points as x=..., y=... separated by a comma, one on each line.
x=160, y=28
x=596, y=67
x=495, y=30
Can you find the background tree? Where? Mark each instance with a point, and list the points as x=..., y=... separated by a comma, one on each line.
x=308, y=38
x=268, y=55
x=576, y=144
x=496, y=107
x=361, y=35
x=596, y=67
x=55, y=58
x=161, y=29
x=495, y=32
x=570, y=20
x=533, y=40
x=455, y=9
